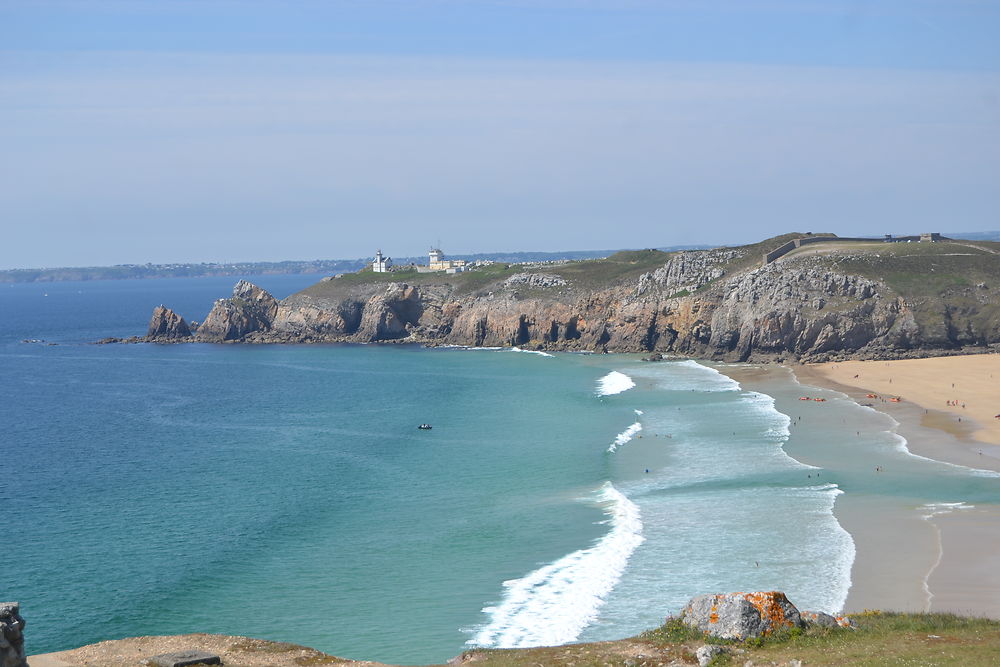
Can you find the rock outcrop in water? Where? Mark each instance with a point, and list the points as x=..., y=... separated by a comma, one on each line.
x=713, y=304
x=165, y=324
x=250, y=309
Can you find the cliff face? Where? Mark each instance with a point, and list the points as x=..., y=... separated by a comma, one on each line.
x=718, y=304
x=250, y=309
x=167, y=325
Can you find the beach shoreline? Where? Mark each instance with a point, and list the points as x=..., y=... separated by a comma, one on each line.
x=961, y=574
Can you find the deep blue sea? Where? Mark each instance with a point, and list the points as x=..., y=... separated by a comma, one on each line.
x=284, y=492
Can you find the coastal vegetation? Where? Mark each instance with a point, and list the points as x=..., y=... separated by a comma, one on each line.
x=812, y=297
x=317, y=266
x=879, y=638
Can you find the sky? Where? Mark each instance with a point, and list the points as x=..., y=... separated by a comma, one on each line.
x=136, y=131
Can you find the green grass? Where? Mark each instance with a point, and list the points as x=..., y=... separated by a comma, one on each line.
x=353, y=284
x=918, y=269
x=881, y=638
x=587, y=274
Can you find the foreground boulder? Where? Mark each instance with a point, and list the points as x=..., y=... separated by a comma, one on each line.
x=741, y=615
x=12, y=636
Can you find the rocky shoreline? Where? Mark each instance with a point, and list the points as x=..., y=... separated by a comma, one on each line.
x=715, y=304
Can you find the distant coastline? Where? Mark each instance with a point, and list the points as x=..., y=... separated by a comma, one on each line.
x=317, y=266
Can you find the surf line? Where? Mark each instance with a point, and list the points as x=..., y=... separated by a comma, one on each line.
x=625, y=436
x=614, y=383
x=553, y=604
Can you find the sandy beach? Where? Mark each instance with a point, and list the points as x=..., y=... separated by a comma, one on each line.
x=963, y=388
x=938, y=559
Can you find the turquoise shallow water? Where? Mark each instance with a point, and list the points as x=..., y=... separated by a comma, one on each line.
x=284, y=491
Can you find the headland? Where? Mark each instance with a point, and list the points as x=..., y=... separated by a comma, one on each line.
x=796, y=297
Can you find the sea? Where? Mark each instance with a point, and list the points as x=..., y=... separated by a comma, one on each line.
x=285, y=491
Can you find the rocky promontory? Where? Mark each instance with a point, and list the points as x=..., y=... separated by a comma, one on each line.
x=822, y=301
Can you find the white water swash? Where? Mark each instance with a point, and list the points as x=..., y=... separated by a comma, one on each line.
x=705, y=469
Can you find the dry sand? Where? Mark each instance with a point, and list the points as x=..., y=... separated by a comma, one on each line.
x=964, y=387
x=945, y=561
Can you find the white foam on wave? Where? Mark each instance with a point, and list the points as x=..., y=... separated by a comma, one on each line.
x=835, y=571
x=931, y=510
x=902, y=447
x=553, y=604
x=778, y=423
x=687, y=375
x=614, y=383
x=901, y=444
x=714, y=380
x=538, y=352
x=638, y=412
x=625, y=436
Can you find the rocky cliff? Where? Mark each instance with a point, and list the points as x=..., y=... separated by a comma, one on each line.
x=826, y=301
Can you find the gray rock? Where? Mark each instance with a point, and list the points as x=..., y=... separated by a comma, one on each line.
x=184, y=658
x=165, y=324
x=12, y=636
x=741, y=615
x=535, y=280
x=707, y=653
x=250, y=309
x=818, y=619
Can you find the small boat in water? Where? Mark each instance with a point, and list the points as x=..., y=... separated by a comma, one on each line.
x=425, y=427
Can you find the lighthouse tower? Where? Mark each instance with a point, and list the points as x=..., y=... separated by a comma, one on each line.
x=381, y=263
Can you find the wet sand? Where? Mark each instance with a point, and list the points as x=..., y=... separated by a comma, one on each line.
x=958, y=389
x=943, y=559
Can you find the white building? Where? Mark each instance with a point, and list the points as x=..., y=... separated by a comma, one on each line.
x=439, y=263
x=381, y=264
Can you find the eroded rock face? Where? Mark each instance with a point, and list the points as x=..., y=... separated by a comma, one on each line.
x=250, y=309
x=390, y=315
x=794, y=308
x=688, y=271
x=12, y=636
x=165, y=324
x=741, y=615
x=535, y=280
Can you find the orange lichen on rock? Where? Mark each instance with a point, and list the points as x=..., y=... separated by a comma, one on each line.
x=771, y=605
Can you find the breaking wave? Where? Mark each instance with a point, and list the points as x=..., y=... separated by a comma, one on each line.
x=614, y=383
x=553, y=604
x=538, y=352
x=625, y=436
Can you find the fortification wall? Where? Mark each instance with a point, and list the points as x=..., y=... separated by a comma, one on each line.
x=798, y=243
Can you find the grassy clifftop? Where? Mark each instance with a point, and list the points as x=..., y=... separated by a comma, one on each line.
x=589, y=274
x=881, y=638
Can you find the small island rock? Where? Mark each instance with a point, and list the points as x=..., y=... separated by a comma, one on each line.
x=165, y=324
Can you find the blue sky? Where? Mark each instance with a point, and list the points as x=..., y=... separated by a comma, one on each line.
x=208, y=130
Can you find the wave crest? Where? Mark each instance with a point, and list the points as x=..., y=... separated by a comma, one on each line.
x=553, y=604
x=614, y=383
